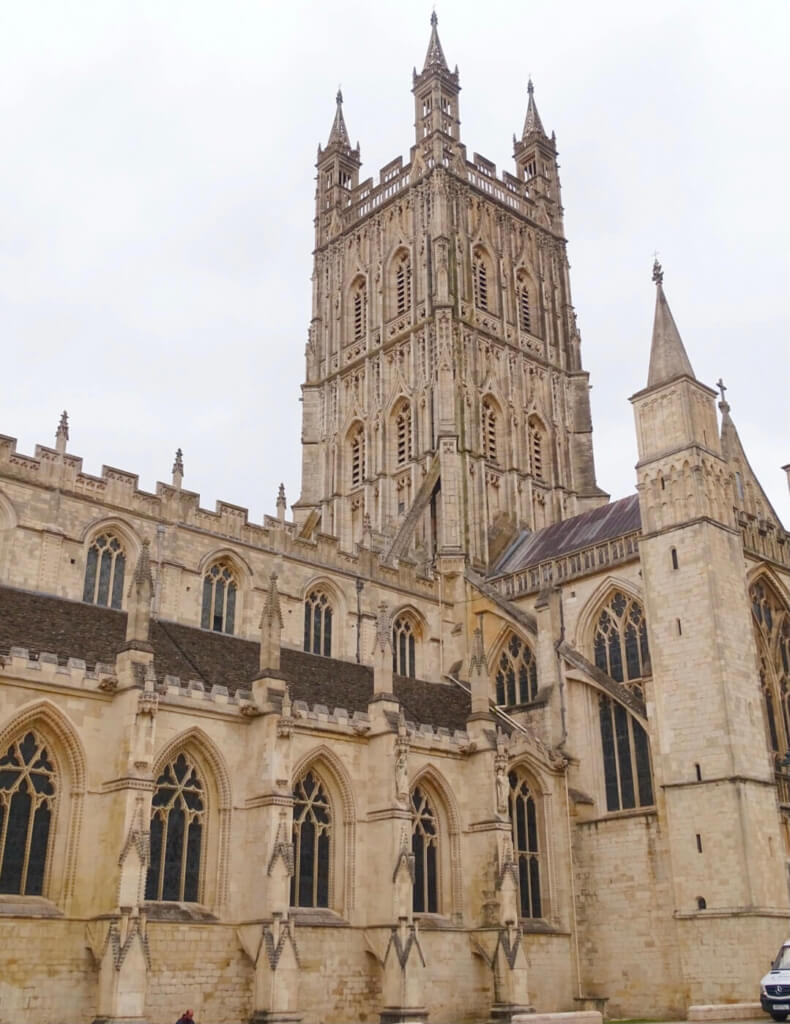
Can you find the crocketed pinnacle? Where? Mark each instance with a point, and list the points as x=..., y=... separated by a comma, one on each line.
x=532, y=122
x=339, y=134
x=668, y=358
x=272, y=614
x=142, y=571
x=63, y=426
x=434, y=58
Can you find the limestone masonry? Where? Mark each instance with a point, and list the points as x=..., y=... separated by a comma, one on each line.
x=461, y=739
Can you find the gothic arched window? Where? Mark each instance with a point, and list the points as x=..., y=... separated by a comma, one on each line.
x=28, y=788
x=178, y=813
x=620, y=641
x=424, y=846
x=359, y=309
x=403, y=646
x=357, y=453
x=626, y=758
x=104, y=571
x=772, y=633
x=489, y=429
x=536, y=447
x=312, y=837
x=318, y=623
x=526, y=849
x=480, y=279
x=402, y=283
x=219, y=598
x=516, y=674
x=403, y=447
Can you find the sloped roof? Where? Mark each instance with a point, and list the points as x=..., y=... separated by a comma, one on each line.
x=72, y=629
x=600, y=524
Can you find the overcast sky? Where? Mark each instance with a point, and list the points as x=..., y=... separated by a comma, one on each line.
x=157, y=191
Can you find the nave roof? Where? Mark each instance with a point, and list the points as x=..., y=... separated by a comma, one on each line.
x=73, y=629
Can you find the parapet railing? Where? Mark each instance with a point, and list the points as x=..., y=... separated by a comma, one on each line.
x=566, y=567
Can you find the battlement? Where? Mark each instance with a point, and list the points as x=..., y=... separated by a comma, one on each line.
x=120, y=491
x=480, y=172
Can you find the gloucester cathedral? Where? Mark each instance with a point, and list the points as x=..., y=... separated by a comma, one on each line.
x=457, y=739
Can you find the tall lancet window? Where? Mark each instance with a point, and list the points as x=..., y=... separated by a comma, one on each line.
x=359, y=309
x=424, y=846
x=480, y=279
x=357, y=453
x=620, y=641
x=489, y=430
x=178, y=812
x=403, y=647
x=526, y=851
x=104, y=571
x=312, y=835
x=318, y=623
x=403, y=434
x=28, y=788
x=537, y=446
x=524, y=311
x=403, y=283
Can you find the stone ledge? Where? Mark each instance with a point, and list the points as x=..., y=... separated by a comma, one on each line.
x=578, y=1017
x=725, y=1011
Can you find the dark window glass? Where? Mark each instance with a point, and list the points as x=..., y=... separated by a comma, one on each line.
x=318, y=624
x=424, y=843
x=643, y=773
x=218, y=609
x=624, y=757
x=625, y=747
x=312, y=836
x=620, y=641
x=27, y=798
x=90, y=575
x=517, y=673
x=526, y=849
x=177, y=819
x=609, y=759
x=403, y=647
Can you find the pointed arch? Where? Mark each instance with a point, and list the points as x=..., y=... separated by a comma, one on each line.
x=530, y=837
x=526, y=300
x=431, y=782
x=515, y=670
x=356, y=449
x=400, y=281
x=357, y=309
x=408, y=632
x=8, y=514
x=538, y=443
x=69, y=756
x=111, y=549
x=771, y=627
x=491, y=428
x=482, y=278
x=215, y=850
x=401, y=420
x=240, y=564
x=593, y=604
x=325, y=609
x=330, y=770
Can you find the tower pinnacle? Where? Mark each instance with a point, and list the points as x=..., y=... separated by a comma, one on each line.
x=339, y=134
x=434, y=58
x=668, y=357
x=532, y=122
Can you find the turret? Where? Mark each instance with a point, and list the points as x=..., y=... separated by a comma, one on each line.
x=338, y=169
x=536, y=162
x=436, y=91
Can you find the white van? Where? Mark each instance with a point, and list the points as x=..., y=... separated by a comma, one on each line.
x=775, y=986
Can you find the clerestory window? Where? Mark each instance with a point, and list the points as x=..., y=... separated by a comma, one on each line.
x=517, y=673
x=403, y=647
x=104, y=571
x=620, y=641
x=220, y=588
x=318, y=624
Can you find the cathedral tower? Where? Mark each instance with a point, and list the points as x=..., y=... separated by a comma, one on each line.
x=707, y=730
x=445, y=400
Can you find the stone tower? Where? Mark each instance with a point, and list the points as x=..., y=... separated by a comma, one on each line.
x=444, y=395
x=712, y=768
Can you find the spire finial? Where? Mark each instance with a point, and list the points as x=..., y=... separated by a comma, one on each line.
x=434, y=58
x=434, y=19
x=62, y=433
x=338, y=133
x=532, y=122
x=658, y=273
x=339, y=97
x=178, y=468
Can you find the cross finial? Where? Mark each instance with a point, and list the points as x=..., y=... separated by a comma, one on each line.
x=722, y=387
x=658, y=273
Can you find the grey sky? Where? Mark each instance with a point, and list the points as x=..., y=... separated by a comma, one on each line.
x=157, y=207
